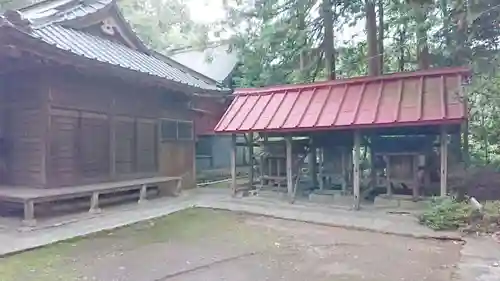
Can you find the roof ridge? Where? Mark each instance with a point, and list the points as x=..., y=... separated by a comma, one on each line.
x=359, y=79
x=209, y=45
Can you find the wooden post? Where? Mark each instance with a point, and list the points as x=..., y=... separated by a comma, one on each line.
x=233, y=164
x=29, y=214
x=112, y=141
x=313, y=175
x=269, y=168
x=373, y=172
x=343, y=167
x=94, y=203
x=289, y=166
x=444, y=160
x=250, y=154
x=356, y=176
x=261, y=163
x=278, y=172
x=320, y=170
x=465, y=142
x=387, y=159
x=416, y=184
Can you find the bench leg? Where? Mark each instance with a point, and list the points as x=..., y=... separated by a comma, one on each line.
x=29, y=213
x=94, y=203
x=143, y=194
x=178, y=188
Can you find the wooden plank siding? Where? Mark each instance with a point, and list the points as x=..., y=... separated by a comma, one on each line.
x=24, y=129
x=62, y=127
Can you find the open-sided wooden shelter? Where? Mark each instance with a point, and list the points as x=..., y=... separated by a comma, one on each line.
x=87, y=109
x=349, y=112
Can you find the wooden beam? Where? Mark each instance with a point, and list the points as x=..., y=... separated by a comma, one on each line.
x=356, y=176
x=444, y=161
x=289, y=166
x=233, y=164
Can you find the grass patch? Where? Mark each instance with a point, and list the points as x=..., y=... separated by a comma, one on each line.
x=57, y=262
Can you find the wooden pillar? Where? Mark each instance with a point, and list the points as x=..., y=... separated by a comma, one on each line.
x=29, y=213
x=356, y=176
x=387, y=159
x=289, y=166
x=416, y=183
x=373, y=172
x=94, y=203
x=444, y=160
x=143, y=194
x=343, y=163
x=233, y=164
x=251, y=162
x=465, y=143
x=112, y=141
x=278, y=172
x=261, y=162
x=313, y=174
x=320, y=169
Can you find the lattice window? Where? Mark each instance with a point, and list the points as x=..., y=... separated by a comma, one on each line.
x=176, y=130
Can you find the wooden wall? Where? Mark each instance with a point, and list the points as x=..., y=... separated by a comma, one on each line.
x=102, y=120
x=24, y=129
x=66, y=128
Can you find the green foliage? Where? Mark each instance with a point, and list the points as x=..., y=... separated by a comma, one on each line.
x=14, y=4
x=164, y=25
x=446, y=214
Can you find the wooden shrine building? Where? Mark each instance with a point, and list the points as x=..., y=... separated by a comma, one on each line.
x=405, y=122
x=86, y=109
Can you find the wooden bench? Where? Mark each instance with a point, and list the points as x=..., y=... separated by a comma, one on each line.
x=31, y=196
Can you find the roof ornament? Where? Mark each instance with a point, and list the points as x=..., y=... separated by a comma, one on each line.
x=107, y=27
x=17, y=20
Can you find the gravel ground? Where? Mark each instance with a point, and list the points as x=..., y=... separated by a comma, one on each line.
x=201, y=244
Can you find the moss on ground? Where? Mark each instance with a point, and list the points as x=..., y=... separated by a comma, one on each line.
x=56, y=262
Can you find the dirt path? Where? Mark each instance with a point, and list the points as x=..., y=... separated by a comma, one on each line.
x=200, y=244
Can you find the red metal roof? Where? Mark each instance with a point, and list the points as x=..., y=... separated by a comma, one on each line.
x=208, y=111
x=400, y=99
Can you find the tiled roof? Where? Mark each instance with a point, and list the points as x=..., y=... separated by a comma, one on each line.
x=401, y=99
x=51, y=22
x=100, y=49
x=61, y=10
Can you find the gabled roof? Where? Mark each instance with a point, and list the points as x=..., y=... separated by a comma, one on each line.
x=100, y=49
x=216, y=61
x=419, y=98
x=56, y=22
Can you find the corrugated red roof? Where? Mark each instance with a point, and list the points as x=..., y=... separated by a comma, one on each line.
x=400, y=99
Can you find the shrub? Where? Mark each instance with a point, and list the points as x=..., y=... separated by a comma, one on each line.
x=447, y=214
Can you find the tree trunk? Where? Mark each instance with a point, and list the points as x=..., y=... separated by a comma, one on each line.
x=302, y=39
x=381, y=35
x=401, y=39
x=420, y=13
x=328, y=46
x=371, y=32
